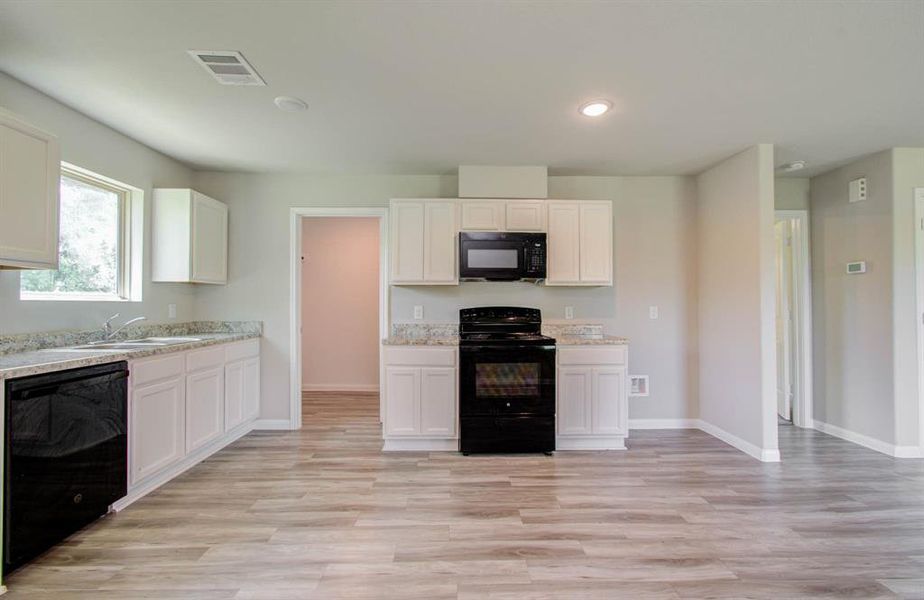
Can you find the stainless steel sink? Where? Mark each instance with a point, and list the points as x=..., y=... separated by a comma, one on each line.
x=150, y=342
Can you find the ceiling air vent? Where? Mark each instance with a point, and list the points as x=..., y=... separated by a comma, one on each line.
x=227, y=67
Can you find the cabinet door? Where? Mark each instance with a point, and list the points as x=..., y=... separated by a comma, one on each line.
x=407, y=241
x=563, y=261
x=234, y=395
x=596, y=243
x=251, y=388
x=205, y=400
x=438, y=401
x=30, y=171
x=157, y=427
x=574, y=401
x=610, y=411
x=440, y=247
x=402, y=389
x=209, y=240
x=482, y=215
x=526, y=215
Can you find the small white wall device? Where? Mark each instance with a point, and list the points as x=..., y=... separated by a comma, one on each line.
x=857, y=190
x=856, y=268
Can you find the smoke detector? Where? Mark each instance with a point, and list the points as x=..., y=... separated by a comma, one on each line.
x=228, y=67
x=796, y=165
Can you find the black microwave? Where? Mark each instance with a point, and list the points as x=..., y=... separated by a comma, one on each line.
x=494, y=256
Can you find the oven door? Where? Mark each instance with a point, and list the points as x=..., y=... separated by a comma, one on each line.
x=491, y=259
x=507, y=381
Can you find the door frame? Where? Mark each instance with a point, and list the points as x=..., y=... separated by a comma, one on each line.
x=296, y=215
x=802, y=413
x=919, y=287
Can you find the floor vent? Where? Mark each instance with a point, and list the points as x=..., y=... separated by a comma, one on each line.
x=227, y=67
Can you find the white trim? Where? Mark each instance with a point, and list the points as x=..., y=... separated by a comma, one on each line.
x=340, y=387
x=188, y=462
x=296, y=213
x=869, y=442
x=663, y=423
x=919, y=276
x=420, y=445
x=761, y=454
x=272, y=424
x=802, y=316
x=591, y=442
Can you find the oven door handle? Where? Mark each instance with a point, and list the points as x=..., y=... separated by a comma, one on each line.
x=495, y=348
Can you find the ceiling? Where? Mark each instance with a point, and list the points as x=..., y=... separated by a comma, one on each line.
x=421, y=87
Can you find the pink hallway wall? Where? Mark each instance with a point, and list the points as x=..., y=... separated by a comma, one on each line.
x=340, y=303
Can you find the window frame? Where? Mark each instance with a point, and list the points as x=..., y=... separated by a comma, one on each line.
x=128, y=242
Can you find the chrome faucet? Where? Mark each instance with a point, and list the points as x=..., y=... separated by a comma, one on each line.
x=109, y=333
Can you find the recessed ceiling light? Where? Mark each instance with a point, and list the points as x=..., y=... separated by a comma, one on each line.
x=595, y=108
x=789, y=167
x=290, y=104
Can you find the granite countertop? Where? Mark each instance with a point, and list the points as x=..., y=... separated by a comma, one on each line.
x=413, y=334
x=34, y=362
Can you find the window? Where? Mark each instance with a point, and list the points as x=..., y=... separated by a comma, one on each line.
x=95, y=243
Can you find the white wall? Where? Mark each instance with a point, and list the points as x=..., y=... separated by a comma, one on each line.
x=340, y=303
x=852, y=314
x=92, y=145
x=654, y=247
x=791, y=193
x=737, y=360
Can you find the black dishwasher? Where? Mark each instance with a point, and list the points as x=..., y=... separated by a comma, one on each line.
x=66, y=455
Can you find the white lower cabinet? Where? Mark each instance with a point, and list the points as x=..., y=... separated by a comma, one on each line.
x=205, y=401
x=592, y=411
x=420, y=398
x=158, y=420
x=184, y=406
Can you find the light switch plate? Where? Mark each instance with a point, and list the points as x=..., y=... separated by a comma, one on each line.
x=418, y=312
x=652, y=312
x=569, y=312
x=171, y=311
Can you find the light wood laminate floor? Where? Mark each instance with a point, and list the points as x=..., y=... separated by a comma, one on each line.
x=322, y=513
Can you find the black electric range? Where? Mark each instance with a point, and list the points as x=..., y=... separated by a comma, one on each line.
x=506, y=381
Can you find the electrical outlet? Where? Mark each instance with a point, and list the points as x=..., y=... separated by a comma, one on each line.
x=569, y=312
x=418, y=312
x=652, y=312
x=171, y=311
x=638, y=386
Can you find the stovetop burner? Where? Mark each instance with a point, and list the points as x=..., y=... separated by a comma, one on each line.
x=501, y=325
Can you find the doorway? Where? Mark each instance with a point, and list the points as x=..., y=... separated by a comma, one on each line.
x=338, y=302
x=793, y=318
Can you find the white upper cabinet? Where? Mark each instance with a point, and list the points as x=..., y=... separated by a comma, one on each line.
x=580, y=243
x=525, y=215
x=30, y=173
x=190, y=237
x=423, y=242
x=482, y=215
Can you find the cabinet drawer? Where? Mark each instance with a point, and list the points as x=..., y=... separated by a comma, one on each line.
x=239, y=350
x=154, y=369
x=420, y=356
x=205, y=358
x=592, y=355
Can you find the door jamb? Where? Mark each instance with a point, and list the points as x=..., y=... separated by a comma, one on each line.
x=919, y=287
x=803, y=413
x=295, y=290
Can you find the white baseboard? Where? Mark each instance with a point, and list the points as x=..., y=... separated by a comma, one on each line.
x=420, y=445
x=272, y=424
x=598, y=442
x=761, y=454
x=663, y=423
x=340, y=387
x=190, y=461
x=869, y=442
